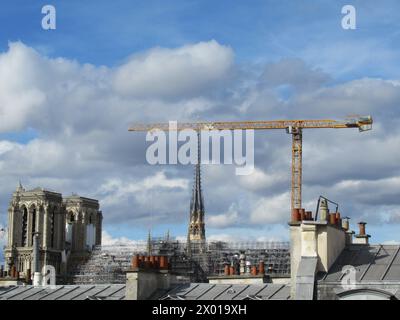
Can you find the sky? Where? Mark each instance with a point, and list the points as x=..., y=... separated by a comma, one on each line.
x=68, y=96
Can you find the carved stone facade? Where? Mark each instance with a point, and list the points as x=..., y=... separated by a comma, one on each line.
x=64, y=226
x=83, y=223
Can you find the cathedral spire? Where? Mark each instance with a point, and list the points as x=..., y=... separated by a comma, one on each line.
x=196, y=223
x=149, y=246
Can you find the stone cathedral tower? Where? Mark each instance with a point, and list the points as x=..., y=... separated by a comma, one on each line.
x=64, y=228
x=196, y=232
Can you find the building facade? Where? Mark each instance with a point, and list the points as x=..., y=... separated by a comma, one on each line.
x=63, y=226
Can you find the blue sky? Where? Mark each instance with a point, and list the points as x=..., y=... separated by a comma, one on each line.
x=261, y=37
x=106, y=32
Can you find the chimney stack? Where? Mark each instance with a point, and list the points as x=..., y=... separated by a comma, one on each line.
x=231, y=271
x=295, y=215
x=323, y=210
x=332, y=218
x=135, y=261
x=361, y=226
x=345, y=223
x=261, y=267
x=226, y=270
x=302, y=214
x=362, y=237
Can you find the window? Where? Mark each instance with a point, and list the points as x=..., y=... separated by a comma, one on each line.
x=52, y=227
x=24, y=226
x=33, y=223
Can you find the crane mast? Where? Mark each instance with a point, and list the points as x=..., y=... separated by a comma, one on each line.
x=293, y=127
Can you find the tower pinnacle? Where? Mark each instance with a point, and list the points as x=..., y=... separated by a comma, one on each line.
x=196, y=224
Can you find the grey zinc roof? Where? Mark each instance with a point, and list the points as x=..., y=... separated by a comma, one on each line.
x=372, y=263
x=208, y=291
x=192, y=291
x=68, y=292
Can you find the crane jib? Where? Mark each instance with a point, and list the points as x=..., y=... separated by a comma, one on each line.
x=293, y=127
x=363, y=123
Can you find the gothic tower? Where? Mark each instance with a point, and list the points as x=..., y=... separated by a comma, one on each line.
x=196, y=231
x=35, y=212
x=61, y=227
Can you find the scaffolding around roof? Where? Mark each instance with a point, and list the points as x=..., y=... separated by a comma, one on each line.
x=108, y=264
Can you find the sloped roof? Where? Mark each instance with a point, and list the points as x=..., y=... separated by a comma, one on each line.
x=207, y=291
x=67, y=292
x=371, y=262
x=192, y=291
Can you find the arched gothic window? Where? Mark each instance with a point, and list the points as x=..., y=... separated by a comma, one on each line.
x=52, y=227
x=33, y=223
x=24, y=226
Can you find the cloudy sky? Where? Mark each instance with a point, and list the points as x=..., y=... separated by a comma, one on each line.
x=68, y=96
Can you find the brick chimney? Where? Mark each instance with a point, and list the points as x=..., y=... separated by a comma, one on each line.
x=362, y=237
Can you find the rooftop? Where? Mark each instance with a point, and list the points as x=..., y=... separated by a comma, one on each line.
x=69, y=292
x=207, y=291
x=371, y=262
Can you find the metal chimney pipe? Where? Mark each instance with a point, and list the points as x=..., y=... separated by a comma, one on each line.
x=323, y=210
x=345, y=223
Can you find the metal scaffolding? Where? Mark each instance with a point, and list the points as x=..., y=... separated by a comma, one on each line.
x=108, y=264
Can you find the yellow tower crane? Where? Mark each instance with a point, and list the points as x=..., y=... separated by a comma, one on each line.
x=293, y=127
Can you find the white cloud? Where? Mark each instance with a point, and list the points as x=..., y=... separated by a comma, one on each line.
x=27, y=159
x=81, y=114
x=260, y=180
x=187, y=70
x=293, y=72
x=152, y=200
x=269, y=210
x=109, y=240
x=20, y=99
x=223, y=220
x=114, y=191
